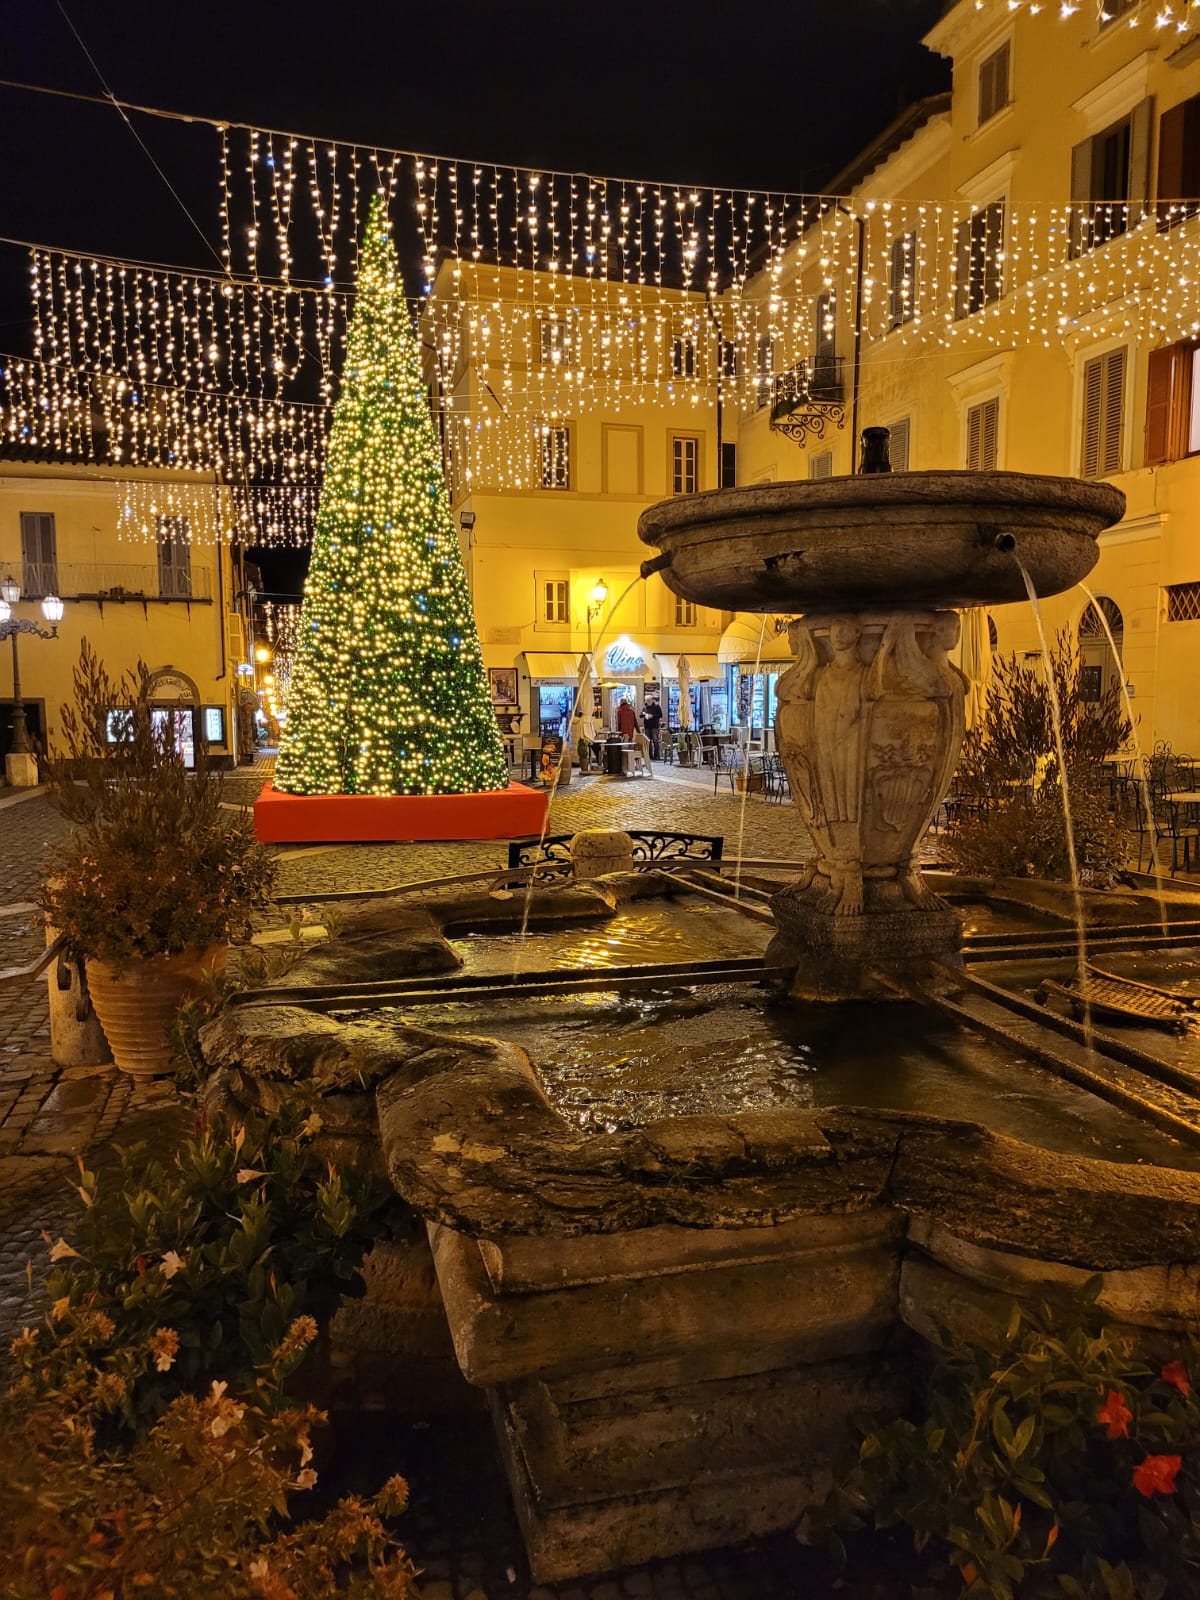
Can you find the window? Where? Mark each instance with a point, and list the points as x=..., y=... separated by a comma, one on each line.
x=1110, y=178
x=683, y=358
x=1179, y=163
x=979, y=260
x=983, y=435
x=902, y=280
x=728, y=466
x=685, y=463
x=1111, y=10
x=764, y=369
x=993, y=83
x=685, y=613
x=1103, y=415
x=174, y=559
x=555, y=601
x=555, y=452
x=898, y=444
x=825, y=373
x=553, y=343
x=1173, y=403
x=1183, y=602
x=820, y=466
x=39, y=554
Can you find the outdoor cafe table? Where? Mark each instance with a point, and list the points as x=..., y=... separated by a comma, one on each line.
x=614, y=756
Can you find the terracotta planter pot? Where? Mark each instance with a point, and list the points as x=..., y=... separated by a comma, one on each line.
x=137, y=1005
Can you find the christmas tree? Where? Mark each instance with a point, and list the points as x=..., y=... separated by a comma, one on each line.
x=389, y=694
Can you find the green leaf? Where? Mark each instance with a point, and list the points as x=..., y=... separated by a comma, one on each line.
x=1023, y=1437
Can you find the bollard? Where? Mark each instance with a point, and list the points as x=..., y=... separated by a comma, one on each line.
x=601, y=850
x=76, y=1037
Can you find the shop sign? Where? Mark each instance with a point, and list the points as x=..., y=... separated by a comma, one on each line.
x=624, y=660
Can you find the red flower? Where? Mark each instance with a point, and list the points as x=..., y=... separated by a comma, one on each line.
x=1115, y=1415
x=1156, y=1475
x=1176, y=1374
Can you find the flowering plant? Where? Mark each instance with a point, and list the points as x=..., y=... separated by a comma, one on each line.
x=156, y=864
x=1063, y=1462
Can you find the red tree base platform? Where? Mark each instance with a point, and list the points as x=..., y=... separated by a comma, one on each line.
x=510, y=813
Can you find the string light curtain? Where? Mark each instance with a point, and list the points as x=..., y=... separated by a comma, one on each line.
x=388, y=692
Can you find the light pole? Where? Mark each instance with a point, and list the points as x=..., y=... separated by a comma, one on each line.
x=20, y=768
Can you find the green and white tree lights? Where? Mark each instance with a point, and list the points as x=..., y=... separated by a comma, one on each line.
x=389, y=694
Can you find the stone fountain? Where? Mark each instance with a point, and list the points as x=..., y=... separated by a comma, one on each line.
x=871, y=715
x=674, y=1322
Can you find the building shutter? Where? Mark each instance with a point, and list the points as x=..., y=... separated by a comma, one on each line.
x=1103, y=415
x=821, y=466
x=993, y=244
x=1178, y=190
x=1141, y=138
x=898, y=445
x=983, y=433
x=1168, y=403
x=962, y=270
x=39, y=556
x=728, y=466
x=1081, y=198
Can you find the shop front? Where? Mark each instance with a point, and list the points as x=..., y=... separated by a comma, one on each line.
x=708, y=692
x=553, y=684
x=755, y=654
x=625, y=670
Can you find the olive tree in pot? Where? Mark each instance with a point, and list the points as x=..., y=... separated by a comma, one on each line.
x=157, y=874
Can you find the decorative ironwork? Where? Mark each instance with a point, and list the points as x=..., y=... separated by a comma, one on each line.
x=552, y=855
x=806, y=401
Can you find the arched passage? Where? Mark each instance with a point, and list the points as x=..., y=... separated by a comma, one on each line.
x=1101, y=665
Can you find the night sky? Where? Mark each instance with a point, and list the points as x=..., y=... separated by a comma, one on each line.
x=761, y=96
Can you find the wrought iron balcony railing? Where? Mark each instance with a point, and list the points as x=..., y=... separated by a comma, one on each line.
x=101, y=581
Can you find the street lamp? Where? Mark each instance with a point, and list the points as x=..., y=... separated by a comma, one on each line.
x=596, y=599
x=11, y=628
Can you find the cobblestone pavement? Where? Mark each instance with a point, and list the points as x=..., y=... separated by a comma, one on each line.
x=461, y=1530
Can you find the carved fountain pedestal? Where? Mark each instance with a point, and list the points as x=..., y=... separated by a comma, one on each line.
x=870, y=726
x=871, y=715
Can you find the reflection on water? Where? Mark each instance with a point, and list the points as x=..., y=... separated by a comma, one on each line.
x=991, y=916
x=611, y=1061
x=640, y=934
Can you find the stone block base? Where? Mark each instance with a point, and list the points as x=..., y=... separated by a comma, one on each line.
x=610, y=1480
x=837, y=958
x=21, y=771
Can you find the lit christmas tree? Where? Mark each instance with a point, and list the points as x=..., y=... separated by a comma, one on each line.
x=389, y=694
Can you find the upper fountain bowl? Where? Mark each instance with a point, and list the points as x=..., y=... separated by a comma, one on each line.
x=908, y=540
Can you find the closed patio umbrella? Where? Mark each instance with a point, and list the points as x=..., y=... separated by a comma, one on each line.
x=976, y=661
x=685, y=693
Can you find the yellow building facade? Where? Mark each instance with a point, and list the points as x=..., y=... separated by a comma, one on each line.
x=155, y=593
x=1030, y=246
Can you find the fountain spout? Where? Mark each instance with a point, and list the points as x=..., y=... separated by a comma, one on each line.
x=994, y=538
x=658, y=563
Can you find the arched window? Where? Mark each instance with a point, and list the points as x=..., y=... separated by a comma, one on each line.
x=1090, y=625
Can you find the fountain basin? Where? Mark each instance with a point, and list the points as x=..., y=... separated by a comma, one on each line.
x=909, y=540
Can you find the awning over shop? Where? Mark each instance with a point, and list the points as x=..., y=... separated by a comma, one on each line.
x=545, y=667
x=741, y=639
x=625, y=658
x=704, y=668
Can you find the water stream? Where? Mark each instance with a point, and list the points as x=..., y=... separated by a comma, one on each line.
x=1065, y=790
x=737, y=879
x=585, y=678
x=1147, y=808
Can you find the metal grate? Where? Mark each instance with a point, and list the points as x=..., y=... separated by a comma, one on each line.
x=1183, y=602
x=1090, y=625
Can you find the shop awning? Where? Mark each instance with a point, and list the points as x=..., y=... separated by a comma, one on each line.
x=546, y=667
x=741, y=639
x=704, y=668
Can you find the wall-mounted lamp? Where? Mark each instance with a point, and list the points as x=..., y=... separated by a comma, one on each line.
x=466, y=520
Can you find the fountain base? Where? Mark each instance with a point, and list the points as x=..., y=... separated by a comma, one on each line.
x=836, y=957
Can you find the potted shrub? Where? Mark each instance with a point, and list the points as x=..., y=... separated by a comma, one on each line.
x=157, y=874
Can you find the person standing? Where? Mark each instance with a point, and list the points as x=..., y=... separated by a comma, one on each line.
x=626, y=719
x=652, y=722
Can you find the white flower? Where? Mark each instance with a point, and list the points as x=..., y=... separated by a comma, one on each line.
x=306, y=1479
x=248, y=1174
x=172, y=1263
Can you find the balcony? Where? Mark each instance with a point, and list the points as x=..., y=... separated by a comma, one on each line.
x=806, y=398
x=149, y=585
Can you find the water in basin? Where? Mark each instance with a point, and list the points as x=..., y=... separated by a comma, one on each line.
x=611, y=1061
x=641, y=934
